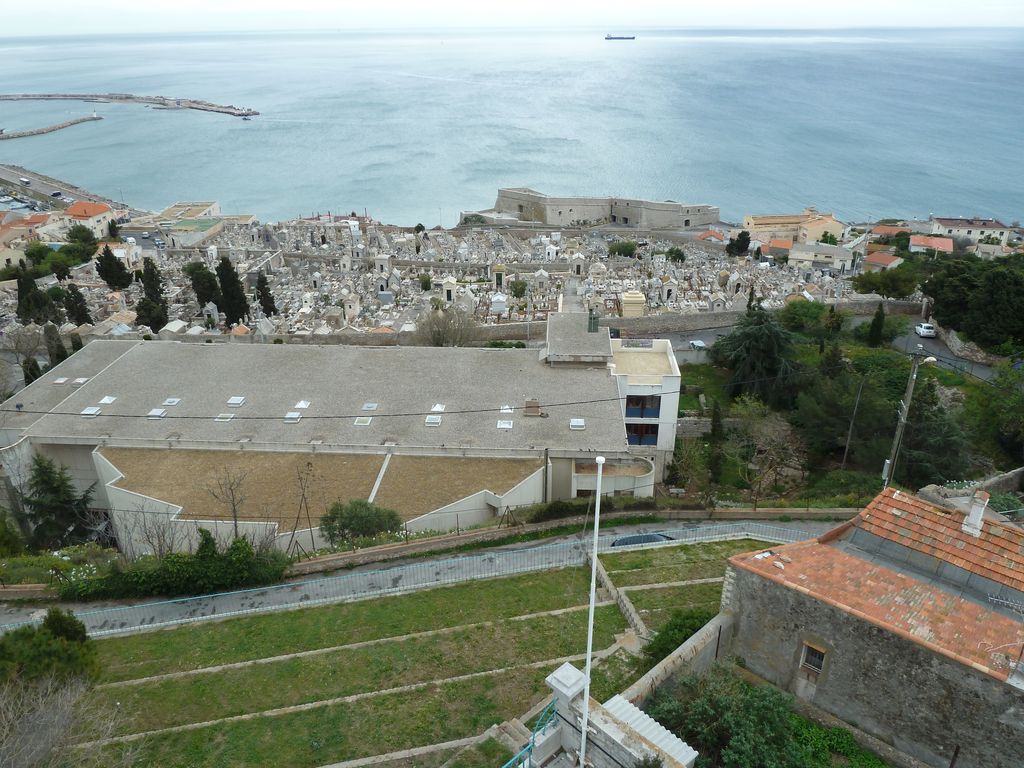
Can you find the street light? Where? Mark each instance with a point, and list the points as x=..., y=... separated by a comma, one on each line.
x=590, y=616
x=890, y=463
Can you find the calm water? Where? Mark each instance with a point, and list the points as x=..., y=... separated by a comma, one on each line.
x=417, y=126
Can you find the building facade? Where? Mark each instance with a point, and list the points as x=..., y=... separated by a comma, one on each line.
x=973, y=230
x=904, y=621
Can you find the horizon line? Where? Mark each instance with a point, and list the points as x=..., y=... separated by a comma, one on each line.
x=514, y=28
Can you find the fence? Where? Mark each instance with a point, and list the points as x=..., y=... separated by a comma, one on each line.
x=385, y=581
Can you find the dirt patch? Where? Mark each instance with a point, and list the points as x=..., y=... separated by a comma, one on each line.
x=271, y=485
x=415, y=485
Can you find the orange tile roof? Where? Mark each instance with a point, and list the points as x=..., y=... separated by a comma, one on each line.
x=35, y=219
x=997, y=554
x=81, y=209
x=943, y=244
x=921, y=613
x=781, y=243
x=711, y=233
x=888, y=229
x=882, y=258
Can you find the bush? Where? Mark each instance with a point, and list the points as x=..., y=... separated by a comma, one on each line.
x=208, y=570
x=680, y=627
x=358, y=518
x=10, y=539
x=802, y=315
x=36, y=652
x=556, y=510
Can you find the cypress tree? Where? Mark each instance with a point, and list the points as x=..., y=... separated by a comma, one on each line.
x=266, y=298
x=877, y=327
x=54, y=345
x=76, y=306
x=30, y=370
x=112, y=271
x=204, y=284
x=152, y=281
x=236, y=305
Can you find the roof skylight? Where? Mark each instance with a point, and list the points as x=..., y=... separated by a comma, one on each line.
x=363, y=421
x=505, y=424
x=156, y=413
x=172, y=401
x=369, y=406
x=91, y=412
x=434, y=420
x=577, y=424
x=438, y=408
x=292, y=417
x=107, y=400
x=224, y=417
x=302, y=405
x=236, y=402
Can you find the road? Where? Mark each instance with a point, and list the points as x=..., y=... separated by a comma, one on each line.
x=42, y=188
x=904, y=343
x=377, y=581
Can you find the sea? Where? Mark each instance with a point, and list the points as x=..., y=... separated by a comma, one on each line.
x=416, y=126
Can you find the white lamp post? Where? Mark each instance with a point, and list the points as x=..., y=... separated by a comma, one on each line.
x=590, y=616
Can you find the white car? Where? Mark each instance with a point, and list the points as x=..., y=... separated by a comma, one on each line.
x=925, y=330
x=698, y=344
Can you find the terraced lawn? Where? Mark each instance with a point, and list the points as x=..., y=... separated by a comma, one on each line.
x=372, y=726
x=274, y=634
x=675, y=563
x=655, y=606
x=260, y=687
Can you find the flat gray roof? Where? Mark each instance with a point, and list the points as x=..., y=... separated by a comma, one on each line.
x=336, y=383
x=569, y=339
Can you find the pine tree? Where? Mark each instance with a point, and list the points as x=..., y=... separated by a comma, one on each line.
x=877, y=327
x=76, y=306
x=266, y=298
x=112, y=271
x=236, y=306
x=54, y=511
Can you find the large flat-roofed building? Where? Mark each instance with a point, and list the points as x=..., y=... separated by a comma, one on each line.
x=808, y=226
x=448, y=437
x=520, y=205
x=906, y=621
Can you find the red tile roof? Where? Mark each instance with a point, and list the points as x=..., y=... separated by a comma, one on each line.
x=711, y=234
x=85, y=210
x=881, y=258
x=997, y=554
x=888, y=229
x=781, y=243
x=943, y=244
x=921, y=613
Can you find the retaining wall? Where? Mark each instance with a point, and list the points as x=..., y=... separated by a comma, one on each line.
x=623, y=601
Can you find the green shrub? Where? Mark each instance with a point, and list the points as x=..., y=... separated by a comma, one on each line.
x=894, y=325
x=10, y=539
x=208, y=570
x=358, y=518
x=36, y=652
x=680, y=627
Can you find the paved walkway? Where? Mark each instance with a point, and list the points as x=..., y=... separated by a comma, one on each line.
x=376, y=582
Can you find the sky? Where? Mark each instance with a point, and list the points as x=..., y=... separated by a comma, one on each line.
x=61, y=17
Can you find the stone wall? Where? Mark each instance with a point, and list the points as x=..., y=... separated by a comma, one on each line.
x=1007, y=482
x=918, y=701
x=968, y=350
x=623, y=601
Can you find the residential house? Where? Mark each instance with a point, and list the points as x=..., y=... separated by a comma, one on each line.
x=905, y=621
x=971, y=229
x=809, y=226
x=96, y=217
x=880, y=261
x=922, y=243
x=816, y=255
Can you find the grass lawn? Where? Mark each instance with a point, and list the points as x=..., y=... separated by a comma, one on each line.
x=360, y=729
x=711, y=379
x=487, y=754
x=680, y=563
x=273, y=634
x=261, y=687
x=656, y=605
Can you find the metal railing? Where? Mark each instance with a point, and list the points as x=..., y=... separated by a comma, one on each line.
x=387, y=581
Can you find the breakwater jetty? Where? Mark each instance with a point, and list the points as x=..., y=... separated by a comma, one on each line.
x=161, y=102
x=47, y=129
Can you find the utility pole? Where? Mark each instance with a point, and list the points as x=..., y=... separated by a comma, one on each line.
x=590, y=615
x=853, y=417
x=890, y=464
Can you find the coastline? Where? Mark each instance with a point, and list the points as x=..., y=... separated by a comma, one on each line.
x=48, y=128
x=162, y=102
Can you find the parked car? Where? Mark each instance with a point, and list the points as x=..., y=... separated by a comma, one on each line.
x=698, y=344
x=56, y=193
x=640, y=538
x=145, y=235
x=925, y=330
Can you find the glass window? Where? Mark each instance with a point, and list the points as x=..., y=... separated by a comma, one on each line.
x=814, y=658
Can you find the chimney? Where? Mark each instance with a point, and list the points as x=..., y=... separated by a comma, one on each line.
x=532, y=407
x=972, y=523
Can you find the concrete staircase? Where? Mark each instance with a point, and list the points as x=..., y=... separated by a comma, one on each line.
x=651, y=730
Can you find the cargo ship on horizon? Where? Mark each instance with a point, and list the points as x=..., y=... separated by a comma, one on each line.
x=620, y=37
